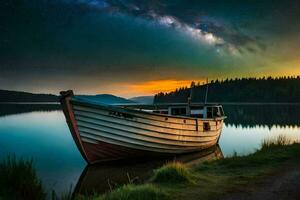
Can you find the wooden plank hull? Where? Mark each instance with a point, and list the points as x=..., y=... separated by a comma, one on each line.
x=107, y=133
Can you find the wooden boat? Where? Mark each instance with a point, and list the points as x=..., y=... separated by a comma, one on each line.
x=105, y=132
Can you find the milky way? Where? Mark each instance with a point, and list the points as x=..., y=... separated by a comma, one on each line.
x=96, y=46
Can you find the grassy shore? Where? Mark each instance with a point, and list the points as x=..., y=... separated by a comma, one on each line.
x=211, y=180
x=18, y=180
x=208, y=180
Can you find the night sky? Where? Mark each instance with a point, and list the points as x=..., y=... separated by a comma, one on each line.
x=137, y=47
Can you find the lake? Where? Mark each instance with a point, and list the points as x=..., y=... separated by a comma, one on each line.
x=40, y=132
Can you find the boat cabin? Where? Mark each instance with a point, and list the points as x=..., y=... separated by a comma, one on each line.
x=197, y=111
x=204, y=111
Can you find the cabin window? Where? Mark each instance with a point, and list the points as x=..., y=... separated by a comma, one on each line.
x=221, y=111
x=209, y=112
x=206, y=126
x=216, y=112
x=197, y=111
x=178, y=111
x=197, y=107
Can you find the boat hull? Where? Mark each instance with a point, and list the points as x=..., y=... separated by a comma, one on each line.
x=106, y=133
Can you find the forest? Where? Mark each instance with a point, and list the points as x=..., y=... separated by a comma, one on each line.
x=249, y=90
x=14, y=96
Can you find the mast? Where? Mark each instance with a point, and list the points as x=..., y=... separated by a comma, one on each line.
x=191, y=94
x=206, y=91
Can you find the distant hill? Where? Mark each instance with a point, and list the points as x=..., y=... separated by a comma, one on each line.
x=106, y=99
x=283, y=89
x=15, y=96
x=143, y=99
x=11, y=109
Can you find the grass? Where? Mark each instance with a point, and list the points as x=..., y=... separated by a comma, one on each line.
x=18, y=180
x=278, y=142
x=65, y=196
x=172, y=172
x=135, y=192
x=216, y=178
x=213, y=179
x=209, y=180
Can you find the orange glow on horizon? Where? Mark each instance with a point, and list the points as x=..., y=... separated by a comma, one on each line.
x=154, y=87
x=147, y=88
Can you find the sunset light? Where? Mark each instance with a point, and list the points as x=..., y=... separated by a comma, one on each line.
x=153, y=87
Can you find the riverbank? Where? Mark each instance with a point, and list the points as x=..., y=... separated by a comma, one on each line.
x=273, y=172
x=256, y=176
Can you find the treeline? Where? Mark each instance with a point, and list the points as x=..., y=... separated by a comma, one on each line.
x=262, y=115
x=14, y=96
x=265, y=89
x=11, y=109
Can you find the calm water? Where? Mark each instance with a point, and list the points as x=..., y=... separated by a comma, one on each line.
x=40, y=132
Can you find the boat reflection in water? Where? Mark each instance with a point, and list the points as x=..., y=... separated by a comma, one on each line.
x=103, y=177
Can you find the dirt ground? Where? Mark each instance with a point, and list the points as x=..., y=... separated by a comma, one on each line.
x=282, y=185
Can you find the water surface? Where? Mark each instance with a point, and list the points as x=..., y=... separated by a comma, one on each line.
x=41, y=133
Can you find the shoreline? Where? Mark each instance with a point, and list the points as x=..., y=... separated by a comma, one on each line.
x=274, y=167
x=32, y=103
x=255, y=176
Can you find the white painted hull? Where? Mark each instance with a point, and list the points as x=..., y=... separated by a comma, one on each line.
x=135, y=131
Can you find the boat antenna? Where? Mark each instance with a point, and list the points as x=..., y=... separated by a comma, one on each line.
x=191, y=93
x=206, y=91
